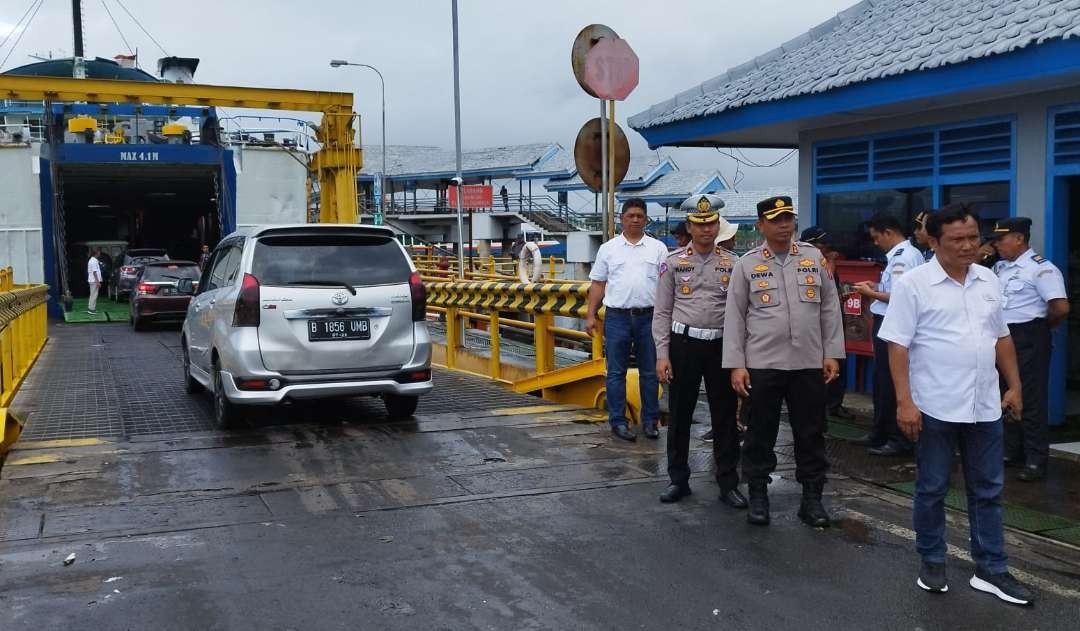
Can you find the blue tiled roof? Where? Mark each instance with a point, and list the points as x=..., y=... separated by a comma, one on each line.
x=643, y=170
x=677, y=186
x=419, y=162
x=874, y=39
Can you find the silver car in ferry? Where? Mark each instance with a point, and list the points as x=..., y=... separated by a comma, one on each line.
x=307, y=311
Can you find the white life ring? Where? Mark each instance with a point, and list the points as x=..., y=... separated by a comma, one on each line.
x=529, y=251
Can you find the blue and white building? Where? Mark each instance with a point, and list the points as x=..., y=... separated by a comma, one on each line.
x=905, y=105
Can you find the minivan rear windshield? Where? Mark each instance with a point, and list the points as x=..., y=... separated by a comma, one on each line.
x=353, y=259
x=161, y=273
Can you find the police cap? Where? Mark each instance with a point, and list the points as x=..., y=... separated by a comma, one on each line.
x=1012, y=224
x=813, y=234
x=773, y=207
x=702, y=208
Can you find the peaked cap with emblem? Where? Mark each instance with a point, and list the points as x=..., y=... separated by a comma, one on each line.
x=702, y=208
x=706, y=209
x=773, y=207
x=1012, y=224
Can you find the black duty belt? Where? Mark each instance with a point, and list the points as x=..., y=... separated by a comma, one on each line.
x=634, y=311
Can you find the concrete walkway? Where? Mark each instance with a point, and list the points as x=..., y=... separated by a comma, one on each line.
x=482, y=512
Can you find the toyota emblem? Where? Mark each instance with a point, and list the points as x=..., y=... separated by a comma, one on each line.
x=339, y=298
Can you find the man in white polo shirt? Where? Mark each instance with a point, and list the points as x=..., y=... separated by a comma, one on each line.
x=946, y=332
x=624, y=280
x=93, y=279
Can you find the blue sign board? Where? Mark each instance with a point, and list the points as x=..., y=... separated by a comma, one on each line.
x=138, y=154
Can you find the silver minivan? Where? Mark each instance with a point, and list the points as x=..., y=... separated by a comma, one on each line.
x=307, y=311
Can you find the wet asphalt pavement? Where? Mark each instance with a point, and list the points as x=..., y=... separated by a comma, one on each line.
x=488, y=511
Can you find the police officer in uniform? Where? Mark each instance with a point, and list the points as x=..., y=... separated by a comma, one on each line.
x=886, y=439
x=783, y=339
x=1035, y=302
x=688, y=326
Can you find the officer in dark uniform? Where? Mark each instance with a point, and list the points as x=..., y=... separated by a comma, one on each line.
x=688, y=327
x=1035, y=302
x=783, y=337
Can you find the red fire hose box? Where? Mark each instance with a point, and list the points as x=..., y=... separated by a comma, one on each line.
x=858, y=321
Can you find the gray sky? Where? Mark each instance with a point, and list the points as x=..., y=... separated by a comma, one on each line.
x=516, y=81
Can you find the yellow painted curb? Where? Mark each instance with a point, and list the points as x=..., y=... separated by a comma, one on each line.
x=67, y=442
x=42, y=459
x=533, y=409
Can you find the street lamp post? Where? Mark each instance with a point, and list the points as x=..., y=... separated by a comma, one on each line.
x=337, y=63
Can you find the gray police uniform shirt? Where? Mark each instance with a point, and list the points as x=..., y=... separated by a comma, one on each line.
x=691, y=290
x=1027, y=284
x=782, y=315
x=903, y=257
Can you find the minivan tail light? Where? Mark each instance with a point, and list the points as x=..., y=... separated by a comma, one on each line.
x=145, y=289
x=247, y=303
x=419, y=297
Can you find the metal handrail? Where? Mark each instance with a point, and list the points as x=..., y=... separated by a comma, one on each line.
x=23, y=331
x=480, y=301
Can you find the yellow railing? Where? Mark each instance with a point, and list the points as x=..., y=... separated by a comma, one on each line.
x=527, y=311
x=23, y=331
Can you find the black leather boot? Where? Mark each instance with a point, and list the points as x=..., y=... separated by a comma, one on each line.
x=810, y=509
x=758, y=513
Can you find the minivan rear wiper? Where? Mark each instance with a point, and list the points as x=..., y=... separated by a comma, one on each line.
x=325, y=283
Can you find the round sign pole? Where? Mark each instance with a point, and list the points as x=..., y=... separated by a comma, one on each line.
x=609, y=226
x=611, y=163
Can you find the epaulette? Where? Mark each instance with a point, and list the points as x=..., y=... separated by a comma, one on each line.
x=1040, y=259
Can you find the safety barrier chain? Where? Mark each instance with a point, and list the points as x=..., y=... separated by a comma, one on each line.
x=565, y=299
x=16, y=302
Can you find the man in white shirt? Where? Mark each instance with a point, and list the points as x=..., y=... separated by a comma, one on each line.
x=1035, y=303
x=886, y=439
x=946, y=332
x=624, y=280
x=93, y=278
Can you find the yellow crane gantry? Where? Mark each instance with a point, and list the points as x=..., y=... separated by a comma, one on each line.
x=336, y=163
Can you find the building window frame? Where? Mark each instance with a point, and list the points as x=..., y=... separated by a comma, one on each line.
x=936, y=180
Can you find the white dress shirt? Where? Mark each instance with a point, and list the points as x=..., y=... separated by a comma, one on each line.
x=951, y=332
x=902, y=257
x=93, y=270
x=630, y=270
x=1027, y=284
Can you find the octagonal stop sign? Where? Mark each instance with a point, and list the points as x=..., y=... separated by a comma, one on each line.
x=611, y=69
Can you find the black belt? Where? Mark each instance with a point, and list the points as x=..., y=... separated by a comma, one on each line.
x=634, y=311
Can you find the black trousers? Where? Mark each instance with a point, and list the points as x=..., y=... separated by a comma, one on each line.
x=804, y=391
x=885, y=426
x=692, y=360
x=1030, y=437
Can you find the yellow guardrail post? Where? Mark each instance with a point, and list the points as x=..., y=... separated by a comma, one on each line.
x=544, y=343
x=452, y=341
x=495, y=363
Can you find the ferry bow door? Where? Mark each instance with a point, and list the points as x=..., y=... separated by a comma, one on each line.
x=172, y=207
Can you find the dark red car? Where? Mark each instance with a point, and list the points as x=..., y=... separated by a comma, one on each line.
x=155, y=299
